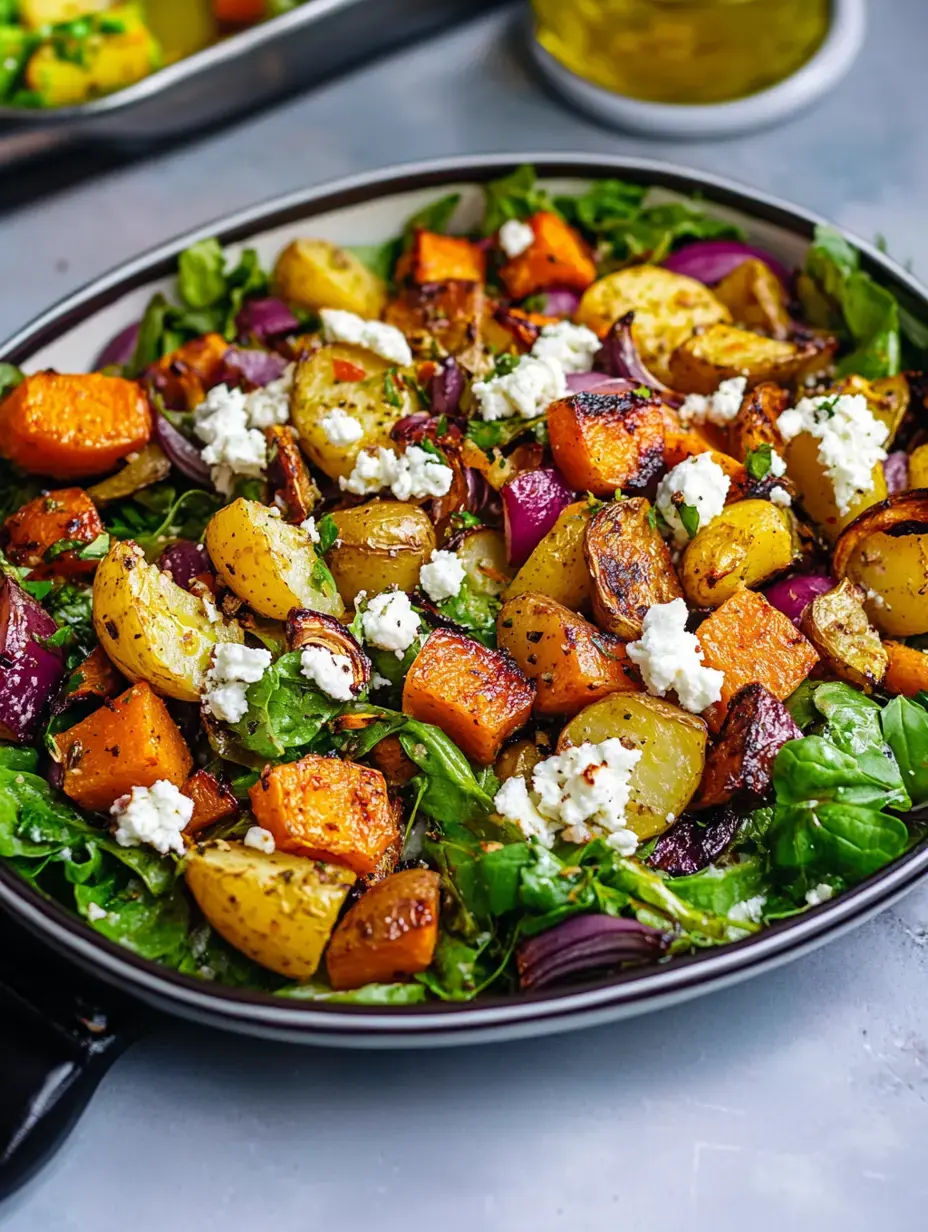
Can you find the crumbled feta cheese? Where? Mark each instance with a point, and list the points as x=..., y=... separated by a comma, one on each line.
x=384, y=340
x=571, y=346
x=260, y=839
x=390, y=623
x=154, y=815
x=850, y=438
x=698, y=482
x=777, y=465
x=515, y=237
x=750, y=911
x=670, y=658
x=341, y=428
x=309, y=525
x=820, y=894
x=330, y=672
x=270, y=404
x=718, y=408
x=228, y=421
x=232, y=670
x=95, y=912
x=780, y=496
x=875, y=597
x=414, y=474
x=579, y=794
x=528, y=390
x=443, y=577
x=379, y=682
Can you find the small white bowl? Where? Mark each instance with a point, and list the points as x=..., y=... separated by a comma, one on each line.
x=816, y=77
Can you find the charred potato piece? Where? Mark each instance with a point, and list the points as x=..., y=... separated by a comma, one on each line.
x=756, y=422
x=482, y=553
x=837, y=626
x=673, y=753
x=746, y=545
x=629, y=564
x=316, y=274
x=668, y=309
x=602, y=442
x=295, y=493
x=740, y=763
x=885, y=551
x=756, y=298
x=389, y=933
x=918, y=467
x=380, y=544
x=520, y=758
x=557, y=567
x=701, y=363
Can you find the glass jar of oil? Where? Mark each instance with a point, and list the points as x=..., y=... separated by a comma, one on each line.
x=682, y=51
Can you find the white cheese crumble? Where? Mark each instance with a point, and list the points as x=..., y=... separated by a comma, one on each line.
x=698, y=482
x=719, y=408
x=820, y=894
x=379, y=682
x=389, y=622
x=850, y=438
x=571, y=346
x=777, y=465
x=154, y=815
x=309, y=525
x=270, y=404
x=780, y=496
x=341, y=428
x=876, y=598
x=228, y=421
x=670, y=658
x=750, y=911
x=515, y=237
x=95, y=912
x=384, y=340
x=414, y=474
x=330, y=672
x=232, y=670
x=528, y=390
x=579, y=794
x=443, y=576
x=260, y=839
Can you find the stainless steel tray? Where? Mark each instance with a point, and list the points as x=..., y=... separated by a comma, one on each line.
x=319, y=39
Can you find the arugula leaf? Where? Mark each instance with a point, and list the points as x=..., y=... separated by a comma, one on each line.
x=473, y=611
x=512, y=196
x=72, y=607
x=490, y=434
x=718, y=889
x=757, y=462
x=435, y=216
x=285, y=711
x=459, y=969
x=157, y=515
x=201, y=276
x=905, y=726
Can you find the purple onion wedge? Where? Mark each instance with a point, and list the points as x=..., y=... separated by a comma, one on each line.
x=119, y=350
x=792, y=595
x=710, y=261
x=532, y=503
x=445, y=387
x=690, y=845
x=586, y=943
x=559, y=302
x=182, y=453
x=599, y=383
x=896, y=470
x=249, y=368
x=185, y=561
x=30, y=672
x=618, y=357
x=265, y=318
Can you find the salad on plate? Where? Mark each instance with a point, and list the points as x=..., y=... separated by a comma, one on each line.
x=471, y=613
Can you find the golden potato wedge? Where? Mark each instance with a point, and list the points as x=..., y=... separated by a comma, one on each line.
x=673, y=753
x=837, y=626
x=151, y=628
x=557, y=566
x=331, y=378
x=816, y=490
x=887, y=398
x=885, y=551
x=918, y=467
x=668, y=308
x=482, y=552
x=318, y=274
x=629, y=564
x=756, y=298
x=747, y=544
x=520, y=757
x=380, y=544
x=278, y=909
x=269, y=564
x=700, y=363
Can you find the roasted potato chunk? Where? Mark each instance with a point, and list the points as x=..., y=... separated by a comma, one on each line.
x=745, y=545
x=151, y=628
x=482, y=553
x=701, y=363
x=668, y=309
x=740, y=763
x=269, y=564
x=570, y=660
x=602, y=442
x=520, y=757
x=279, y=909
x=816, y=490
x=837, y=626
x=629, y=564
x=557, y=567
x=673, y=753
x=918, y=467
x=756, y=298
x=316, y=274
x=756, y=422
x=380, y=544
x=353, y=380
x=450, y=315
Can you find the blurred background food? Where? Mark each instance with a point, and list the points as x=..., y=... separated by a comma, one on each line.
x=682, y=51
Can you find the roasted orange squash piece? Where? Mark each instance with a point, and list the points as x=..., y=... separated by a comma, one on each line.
x=756, y=422
x=478, y=697
x=327, y=809
x=389, y=933
x=71, y=427
x=908, y=669
x=451, y=314
x=183, y=377
x=131, y=741
x=67, y=514
x=753, y=643
x=443, y=258
x=212, y=801
x=558, y=257
x=571, y=661
x=602, y=442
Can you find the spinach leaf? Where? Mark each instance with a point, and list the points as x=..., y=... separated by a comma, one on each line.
x=718, y=889
x=201, y=278
x=154, y=927
x=460, y=969
x=512, y=196
x=16, y=487
x=157, y=516
x=72, y=609
x=491, y=434
x=905, y=726
x=801, y=705
x=15, y=757
x=379, y=258
x=848, y=839
x=814, y=769
x=209, y=957
x=473, y=611
x=285, y=711
x=10, y=377
x=433, y=217
x=639, y=882
x=853, y=726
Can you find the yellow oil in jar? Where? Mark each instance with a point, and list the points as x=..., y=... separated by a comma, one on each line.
x=682, y=51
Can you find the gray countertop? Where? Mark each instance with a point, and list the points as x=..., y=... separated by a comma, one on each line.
x=797, y=1100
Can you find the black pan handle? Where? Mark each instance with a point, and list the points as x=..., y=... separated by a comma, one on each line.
x=59, y=1034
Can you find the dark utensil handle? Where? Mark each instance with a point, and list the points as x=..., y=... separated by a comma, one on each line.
x=59, y=1033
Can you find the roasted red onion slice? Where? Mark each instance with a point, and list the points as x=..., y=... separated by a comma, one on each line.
x=445, y=387
x=119, y=350
x=185, y=561
x=265, y=318
x=183, y=453
x=532, y=503
x=896, y=470
x=618, y=357
x=792, y=595
x=583, y=944
x=250, y=369
x=689, y=846
x=710, y=261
